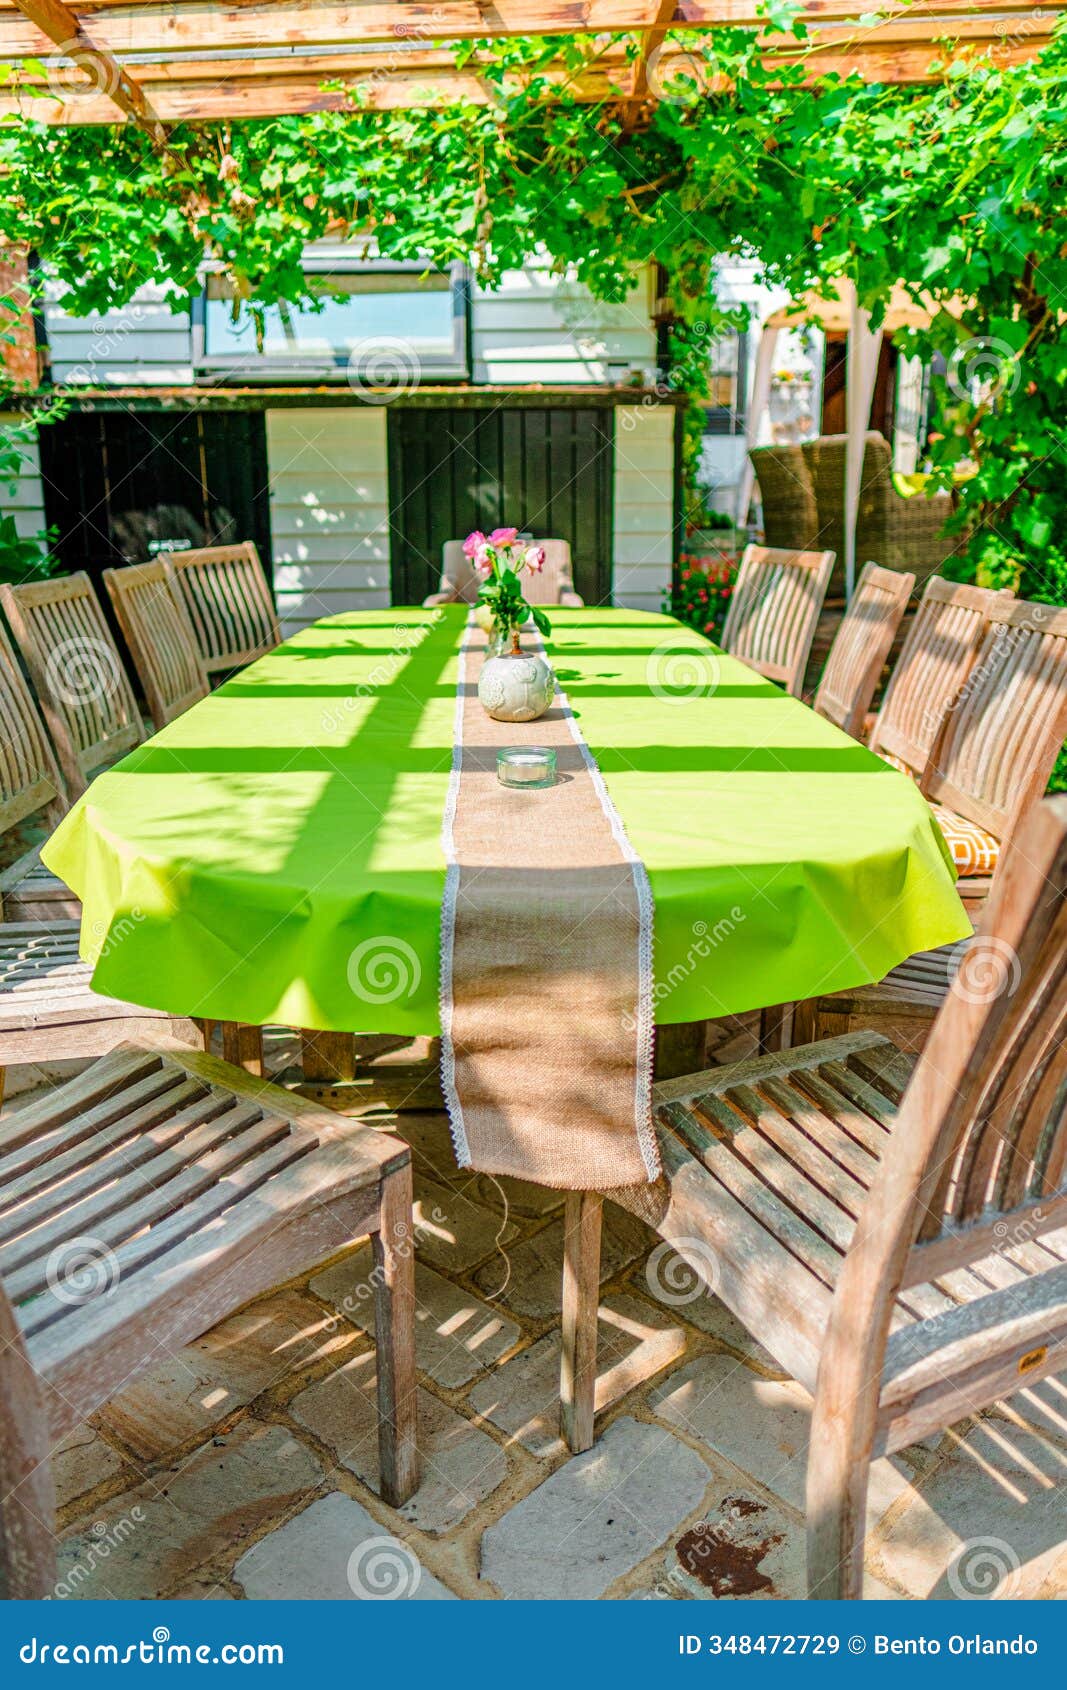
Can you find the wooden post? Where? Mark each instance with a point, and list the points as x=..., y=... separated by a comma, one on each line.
x=19, y=355
x=394, y=1304
x=581, y=1299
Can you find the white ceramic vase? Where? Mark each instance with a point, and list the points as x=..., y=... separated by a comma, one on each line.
x=516, y=688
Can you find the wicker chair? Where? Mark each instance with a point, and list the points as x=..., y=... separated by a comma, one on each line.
x=895, y=532
x=787, y=494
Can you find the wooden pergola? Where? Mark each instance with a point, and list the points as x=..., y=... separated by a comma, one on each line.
x=160, y=62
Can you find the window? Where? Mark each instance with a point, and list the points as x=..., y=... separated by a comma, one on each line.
x=727, y=388
x=390, y=323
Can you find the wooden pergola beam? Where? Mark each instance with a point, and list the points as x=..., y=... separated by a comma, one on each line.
x=166, y=61
x=64, y=30
x=293, y=91
x=177, y=26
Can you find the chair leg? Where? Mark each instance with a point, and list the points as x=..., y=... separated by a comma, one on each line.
x=243, y=1046
x=775, y=1028
x=581, y=1299
x=394, y=1304
x=836, y=1509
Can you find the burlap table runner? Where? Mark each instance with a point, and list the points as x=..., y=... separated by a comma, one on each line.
x=546, y=961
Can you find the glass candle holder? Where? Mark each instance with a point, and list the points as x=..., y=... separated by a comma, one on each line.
x=531, y=766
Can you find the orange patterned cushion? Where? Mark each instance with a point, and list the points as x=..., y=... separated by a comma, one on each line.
x=974, y=851
x=895, y=763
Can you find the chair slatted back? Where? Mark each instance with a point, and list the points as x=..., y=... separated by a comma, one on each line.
x=76, y=669
x=1001, y=740
x=29, y=776
x=937, y=656
x=774, y=611
x=981, y=1136
x=543, y=587
x=160, y=638
x=229, y=603
x=861, y=647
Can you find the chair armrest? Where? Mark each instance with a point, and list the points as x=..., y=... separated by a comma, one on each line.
x=571, y=599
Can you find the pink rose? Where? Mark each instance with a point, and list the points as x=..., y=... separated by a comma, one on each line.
x=503, y=536
x=483, y=559
x=473, y=543
x=535, y=557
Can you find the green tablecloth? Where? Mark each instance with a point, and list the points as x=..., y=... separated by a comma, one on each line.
x=274, y=854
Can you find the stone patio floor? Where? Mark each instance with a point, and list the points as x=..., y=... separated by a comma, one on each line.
x=246, y=1464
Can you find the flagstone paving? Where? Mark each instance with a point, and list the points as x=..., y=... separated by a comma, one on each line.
x=246, y=1464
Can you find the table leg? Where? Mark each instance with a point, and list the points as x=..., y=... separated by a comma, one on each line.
x=775, y=1028
x=243, y=1046
x=680, y=1050
x=581, y=1299
x=327, y=1056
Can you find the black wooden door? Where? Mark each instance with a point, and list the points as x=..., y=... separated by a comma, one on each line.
x=122, y=485
x=547, y=470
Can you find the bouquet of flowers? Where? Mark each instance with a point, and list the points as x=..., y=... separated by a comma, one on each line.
x=502, y=559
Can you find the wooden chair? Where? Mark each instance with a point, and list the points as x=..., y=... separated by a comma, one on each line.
x=861, y=647
x=893, y=1233
x=554, y=584
x=48, y=1009
x=30, y=782
x=935, y=659
x=78, y=675
x=144, y=1202
x=774, y=611
x=160, y=637
x=228, y=599
x=989, y=767
x=1000, y=740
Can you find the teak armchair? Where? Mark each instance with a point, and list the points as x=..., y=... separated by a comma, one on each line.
x=895, y=1234
x=228, y=599
x=159, y=634
x=861, y=647
x=989, y=766
x=30, y=782
x=77, y=673
x=144, y=1202
x=774, y=611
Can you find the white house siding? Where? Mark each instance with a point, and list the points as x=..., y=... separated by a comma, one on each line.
x=144, y=344
x=25, y=499
x=544, y=328
x=644, y=504
x=329, y=511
